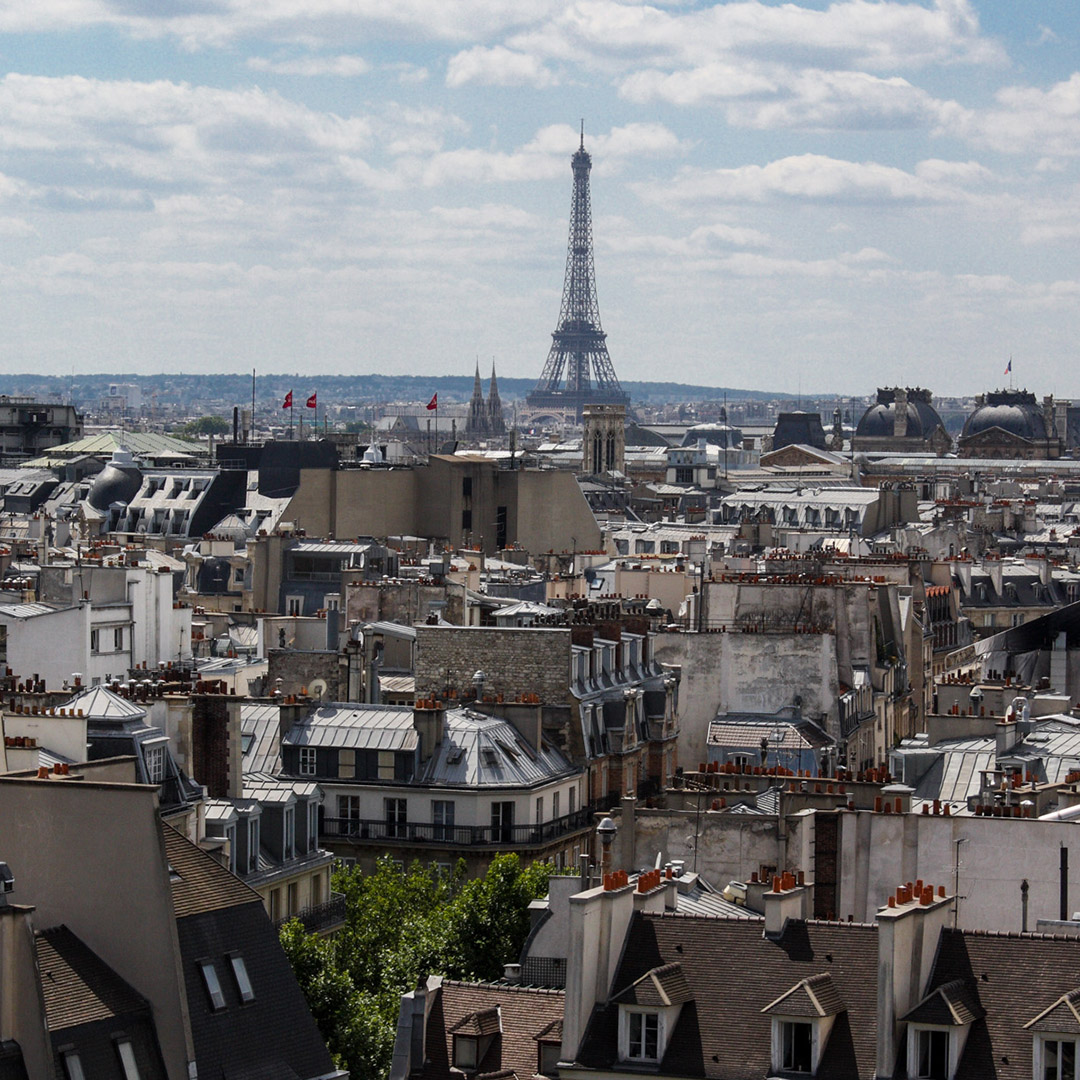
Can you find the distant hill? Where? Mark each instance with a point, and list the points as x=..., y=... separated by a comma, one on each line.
x=223, y=391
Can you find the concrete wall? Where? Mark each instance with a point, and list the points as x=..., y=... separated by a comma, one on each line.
x=879, y=851
x=98, y=865
x=748, y=673
x=515, y=661
x=553, y=514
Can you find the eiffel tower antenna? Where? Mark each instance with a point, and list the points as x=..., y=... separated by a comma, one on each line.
x=578, y=345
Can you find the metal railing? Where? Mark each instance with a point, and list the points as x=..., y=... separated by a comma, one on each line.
x=415, y=832
x=320, y=916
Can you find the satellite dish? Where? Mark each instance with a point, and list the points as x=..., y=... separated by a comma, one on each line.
x=317, y=688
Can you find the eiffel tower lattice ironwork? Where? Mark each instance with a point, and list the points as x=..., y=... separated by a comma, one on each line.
x=579, y=345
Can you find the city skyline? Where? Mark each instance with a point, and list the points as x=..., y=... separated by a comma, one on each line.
x=804, y=196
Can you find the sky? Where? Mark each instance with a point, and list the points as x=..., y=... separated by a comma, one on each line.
x=804, y=196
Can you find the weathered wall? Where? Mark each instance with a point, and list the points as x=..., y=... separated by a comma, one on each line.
x=879, y=851
x=299, y=668
x=746, y=673
x=515, y=661
x=552, y=514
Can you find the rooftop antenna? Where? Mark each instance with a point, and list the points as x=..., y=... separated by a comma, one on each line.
x=582, y=133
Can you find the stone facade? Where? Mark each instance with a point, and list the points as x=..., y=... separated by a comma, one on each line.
x=516, y=661
x=299, y=669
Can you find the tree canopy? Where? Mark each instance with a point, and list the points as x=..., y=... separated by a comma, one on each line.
x=402, y=926
x=207, y=425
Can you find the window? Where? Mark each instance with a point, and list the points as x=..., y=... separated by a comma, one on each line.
x=555, y=805
x=213, y=984
x=118, y=639
x=644, y=1036
x=796, y=1045
x=573, y=800
x=466, y=520
x=442, y=819
x=1058, y=1060
x=349, y=814
x=73, y=1069
x=294, y=605
x=932, y=1054
x=307, y=760
x=502, y=822
x=289, y=847
x=95, y=641
x=240, y=974
x=154, y=760
x=548, y=1059
x=500, y=527
x=396, y=817
x=466, y=487
x=127, y=1059
x=465, y=1047
x=539, y=809
x=293, y=898
x=253, y=845
x=313, y=825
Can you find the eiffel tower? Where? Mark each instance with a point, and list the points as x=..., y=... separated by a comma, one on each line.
x=579, y=345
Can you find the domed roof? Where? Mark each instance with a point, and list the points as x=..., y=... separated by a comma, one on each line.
x=118, y=482
x=1014, y=411
x=878, y=422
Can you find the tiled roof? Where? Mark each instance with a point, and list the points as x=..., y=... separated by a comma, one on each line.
x=951, y=1004
x=1062, y=1016
x=734, y=973
x=1014, y=979
x=77, y=985
x=484, y=1022
x=199, y=882
x=814, y=996
x=661, y=987
x=527, y=1015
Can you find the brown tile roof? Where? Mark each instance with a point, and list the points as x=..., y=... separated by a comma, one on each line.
x=199, y=882
x=525, y=1013
x=484, y=1022
x=952, y=1004
x=1014, y=978
x=735, y=973
x=550, y=1032
x=78, y=986
x=1062, y=1016
x=663, y=986
x=813, y=996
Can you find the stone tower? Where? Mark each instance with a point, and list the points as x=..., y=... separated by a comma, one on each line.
x=605, y=439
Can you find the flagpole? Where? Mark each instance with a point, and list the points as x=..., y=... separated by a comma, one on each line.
x=290, y=415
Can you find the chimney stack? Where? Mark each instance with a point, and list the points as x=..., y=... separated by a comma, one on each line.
x=787, y=899
x=429, y=720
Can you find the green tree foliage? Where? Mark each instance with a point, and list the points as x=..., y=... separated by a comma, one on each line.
x=207, y=425
x=400, y=928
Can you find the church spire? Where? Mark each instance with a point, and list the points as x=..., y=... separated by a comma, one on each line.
x=496, y=423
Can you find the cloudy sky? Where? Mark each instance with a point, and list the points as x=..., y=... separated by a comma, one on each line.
x=825, y=196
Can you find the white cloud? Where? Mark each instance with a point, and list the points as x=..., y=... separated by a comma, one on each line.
x=496, y=66
x=809, y=177
x=344, y=65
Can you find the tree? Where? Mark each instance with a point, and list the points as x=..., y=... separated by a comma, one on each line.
x=402, y=926
x=207, y=425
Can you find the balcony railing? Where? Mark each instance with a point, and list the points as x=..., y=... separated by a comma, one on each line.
x=362, y=830
x=320, y=916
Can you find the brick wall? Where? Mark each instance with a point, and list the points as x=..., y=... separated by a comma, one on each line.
x=515, y=661
x=210, y=743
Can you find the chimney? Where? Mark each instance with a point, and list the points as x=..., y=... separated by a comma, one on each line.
x=599, y=919
x=429, y=720
x=908, y=932
x=410, y=1042
x=1008, y=734
x=997, y=578
x=899, y=797
x=785, y=900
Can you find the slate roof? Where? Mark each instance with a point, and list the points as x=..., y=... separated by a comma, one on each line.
x=1016, y=980
x=259, y=733
x=951, y=1004
x=484, y=1022
x=813, y=996
x=734, y=973
x=661, y=987
x=527, y=1014
x=77, y=985
x=1062, y=1016
x=199, y=882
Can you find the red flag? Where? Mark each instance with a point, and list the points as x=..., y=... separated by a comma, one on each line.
x=311, y=402
x=434, y=402
x=287, y=404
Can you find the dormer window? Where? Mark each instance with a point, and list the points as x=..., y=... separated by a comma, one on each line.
x=1056, y=1045
x=938, y=1029
x=648, y=1012
x=802, y=1020
x=473, y=1036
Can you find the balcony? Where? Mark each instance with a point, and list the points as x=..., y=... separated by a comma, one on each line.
x=361, y=831
x=320, y=918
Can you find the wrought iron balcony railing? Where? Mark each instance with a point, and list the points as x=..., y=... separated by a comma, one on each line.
x=320, y=916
